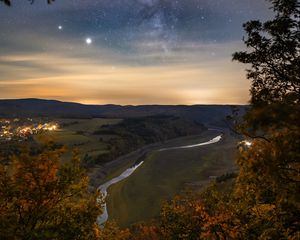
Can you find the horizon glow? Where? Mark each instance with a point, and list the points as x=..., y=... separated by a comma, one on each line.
x=140, y=52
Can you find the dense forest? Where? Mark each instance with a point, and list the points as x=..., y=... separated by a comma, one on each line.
x=42, y=197
x=133, y=133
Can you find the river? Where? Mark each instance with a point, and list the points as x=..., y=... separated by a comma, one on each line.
x=103, y=188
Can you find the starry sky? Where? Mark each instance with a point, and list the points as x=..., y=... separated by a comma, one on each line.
x=126, y=51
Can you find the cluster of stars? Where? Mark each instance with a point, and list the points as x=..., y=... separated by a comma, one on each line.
x=87, y=40
x=155, y=21
x=160, y=25
x=173, y=40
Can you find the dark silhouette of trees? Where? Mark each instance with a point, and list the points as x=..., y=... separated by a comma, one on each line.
x=9, y=2
x=264, y=202
x=267, y=187
x=274, y=55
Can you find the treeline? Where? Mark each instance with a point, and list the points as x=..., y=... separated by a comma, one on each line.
x=133, y=133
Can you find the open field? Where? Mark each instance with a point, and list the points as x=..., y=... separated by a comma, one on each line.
x=104, y=143
x=165, y=174
x=86, y=125
x=109, y=146
x=78, y=133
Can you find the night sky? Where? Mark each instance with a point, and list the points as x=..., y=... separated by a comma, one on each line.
x=126, y=51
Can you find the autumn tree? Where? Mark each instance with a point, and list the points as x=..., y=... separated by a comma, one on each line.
x=210, y=214
x=264, y=202
x=145, y=231
x=267, y=188
x=274, y=56
x=111, y=231
x=43, y=198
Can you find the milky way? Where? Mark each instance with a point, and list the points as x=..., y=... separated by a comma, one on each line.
x=128, y=37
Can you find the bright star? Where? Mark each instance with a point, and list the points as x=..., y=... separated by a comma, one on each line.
x=60, y=27
x=88, y=41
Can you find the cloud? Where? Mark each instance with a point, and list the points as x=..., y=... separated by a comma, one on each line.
x=201, y=79
x=140, y=53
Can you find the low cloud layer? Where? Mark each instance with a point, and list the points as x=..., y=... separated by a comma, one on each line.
x=142, y=52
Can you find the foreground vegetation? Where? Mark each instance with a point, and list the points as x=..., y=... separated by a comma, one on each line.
x=264, y=202
x=40, y=198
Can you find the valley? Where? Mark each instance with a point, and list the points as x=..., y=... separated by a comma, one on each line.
x=165, y=142
x=165, y=174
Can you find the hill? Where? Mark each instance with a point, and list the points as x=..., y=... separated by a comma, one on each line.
x=50, y=108
x=207, y=114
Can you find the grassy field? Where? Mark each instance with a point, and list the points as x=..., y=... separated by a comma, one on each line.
x=86, y=125
x=165, y=174
x=105, y=143
x=78, y=133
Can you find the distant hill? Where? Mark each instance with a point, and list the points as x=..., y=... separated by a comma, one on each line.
x=209, y=114
x=51, y=108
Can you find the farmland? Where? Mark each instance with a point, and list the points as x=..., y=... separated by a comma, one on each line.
x=124, y=136
x=101, y=141
x=165, y=174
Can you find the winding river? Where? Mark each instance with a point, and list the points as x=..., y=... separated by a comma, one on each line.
x=103, y=188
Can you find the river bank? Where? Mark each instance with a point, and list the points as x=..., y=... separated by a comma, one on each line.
x=174, y=145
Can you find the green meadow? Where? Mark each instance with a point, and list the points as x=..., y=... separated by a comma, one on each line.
x=79, y=134
x=165, y=174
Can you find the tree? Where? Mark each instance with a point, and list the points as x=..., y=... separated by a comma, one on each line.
x=265, y=201
x=266, y=192
x=9, y=2
x=111, y=231
x=268, y=185
x=41, y=198
x=274, y=55
x=206, y=215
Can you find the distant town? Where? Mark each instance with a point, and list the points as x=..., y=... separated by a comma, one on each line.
x=22, y=129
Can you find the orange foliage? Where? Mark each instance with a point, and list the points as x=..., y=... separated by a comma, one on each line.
x=41, y=198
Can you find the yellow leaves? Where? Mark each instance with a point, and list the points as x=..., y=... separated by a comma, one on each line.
x=24, y=204
x=97, y=230
x=112, y=232
x=206, y=217
x=268, y=185
x=46, y=199
x=261, y=210
x=200, y=208
x=149, y=232
x=222, y=224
